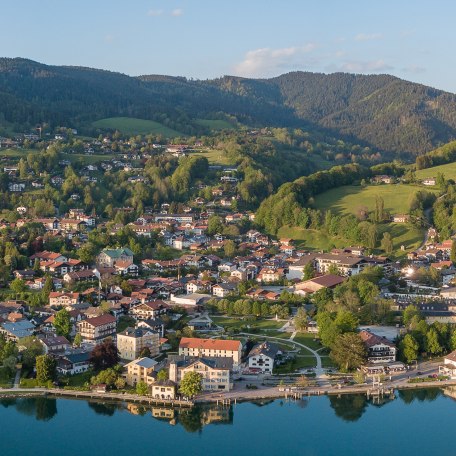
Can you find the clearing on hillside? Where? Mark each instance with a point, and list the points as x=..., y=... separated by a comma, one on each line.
x=448, y=170
x=348, y=199
x=133, y=126
x=217, y=124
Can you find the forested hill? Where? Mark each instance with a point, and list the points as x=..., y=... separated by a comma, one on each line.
x=382, y=111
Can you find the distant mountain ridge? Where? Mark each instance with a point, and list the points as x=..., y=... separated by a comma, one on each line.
x=382, y=111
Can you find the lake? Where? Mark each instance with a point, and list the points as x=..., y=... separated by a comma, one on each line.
x=415, y=422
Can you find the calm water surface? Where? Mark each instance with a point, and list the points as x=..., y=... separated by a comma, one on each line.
x=416, y=422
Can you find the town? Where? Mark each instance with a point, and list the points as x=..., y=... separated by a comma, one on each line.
x=191, y=298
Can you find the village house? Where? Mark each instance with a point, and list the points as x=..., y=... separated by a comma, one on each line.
x=132, y=341
x=345, y=264
x=17, y=330
x=109, y=257
x=149, y=310
x=140, y=370
x=55, y=344
x=63, y=298
x=215, y=372
x=73, y=363
x=189, y=346
x=222, y=290
x=262, y=356
x=313, y=285
x=379, y=349
x=164, y=389
x=98, y=328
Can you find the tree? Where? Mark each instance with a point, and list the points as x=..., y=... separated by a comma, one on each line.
x=142, y=389
x=62, y=323
x=191, y=384
x=432, y=342
x=409, y=348
x=48, y=286
x=45, y=369
x=229, y=248
x=109, y=377
x=104, y=355
x=18, y=286
x=77, y=340
x=349, y=351
x=145, y=352
x=308, y=272
x=162, y=375
x=387, y=243
x=10, y=364
x=453, y=252
x=410, y=312
x=300, y=320
x=32, y=349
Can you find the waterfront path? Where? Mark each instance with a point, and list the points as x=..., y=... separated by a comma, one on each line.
x=319, y=371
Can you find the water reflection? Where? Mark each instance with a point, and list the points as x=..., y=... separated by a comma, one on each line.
x=42, y=408
x=347, y=407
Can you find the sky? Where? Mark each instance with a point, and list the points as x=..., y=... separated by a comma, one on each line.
x=252, y=38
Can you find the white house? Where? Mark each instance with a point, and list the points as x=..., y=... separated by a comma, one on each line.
x=261, y=357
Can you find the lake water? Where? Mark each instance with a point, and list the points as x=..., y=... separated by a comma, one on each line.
x=416, y=422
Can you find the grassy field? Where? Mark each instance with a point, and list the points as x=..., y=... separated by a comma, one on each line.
x=403, y=235
x=448, y=170
x=17, y=153
x=215, y=157
x=238, y=323
x=348, y=199
x=215, y=124
x=308, y=340
x=132, y=126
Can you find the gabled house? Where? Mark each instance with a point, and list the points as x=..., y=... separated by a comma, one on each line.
x=262, y=357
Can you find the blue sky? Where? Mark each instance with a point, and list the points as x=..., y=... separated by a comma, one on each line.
x=210, y=38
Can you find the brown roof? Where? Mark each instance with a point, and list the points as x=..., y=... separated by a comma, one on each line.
x=210, y=344
x=327, y=281
x=372, y=339
x=101, y=320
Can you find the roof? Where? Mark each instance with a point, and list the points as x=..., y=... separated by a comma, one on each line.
x=117, y=253
x=219, y=362
x=145, y=362
x=451, y=356
x=52, y=341
x=266, y=349
x=327, y=281
x=372, y=339
x=209, y=344
x=101, y=320
x=135, y=332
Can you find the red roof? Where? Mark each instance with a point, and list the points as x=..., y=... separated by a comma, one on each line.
x=209, y=344
x=101, y=320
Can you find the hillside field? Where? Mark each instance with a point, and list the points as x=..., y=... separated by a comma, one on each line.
x=214, y=157
x=348, y=199
x=132, y=126
x=403, y=235
x=215, y=124
x=448, y=170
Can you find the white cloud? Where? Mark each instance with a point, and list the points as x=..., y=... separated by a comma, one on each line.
x=267, y=61
x=177, y=12
x=372, y=66
x=154, y=13
x=368, y=37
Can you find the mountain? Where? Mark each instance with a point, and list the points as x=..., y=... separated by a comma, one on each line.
x=380, y=111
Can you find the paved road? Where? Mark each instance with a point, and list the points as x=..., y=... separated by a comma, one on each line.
x=17, y=379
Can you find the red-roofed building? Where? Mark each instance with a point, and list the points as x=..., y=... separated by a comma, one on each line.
x=214, y=348
x=379, y=349
x=98, y=328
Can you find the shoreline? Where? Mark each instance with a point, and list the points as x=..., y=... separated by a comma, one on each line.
x=228, y=398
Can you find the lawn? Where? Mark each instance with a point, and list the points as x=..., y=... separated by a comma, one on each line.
x=299, y=362
x=216, y=124
x=133, y=126
x=238, y=323
x=403, y=234
x=348, y=199
x=214, y=157
x=17, y=153
x=448, y=170
x=79, y=380
x=308, y=340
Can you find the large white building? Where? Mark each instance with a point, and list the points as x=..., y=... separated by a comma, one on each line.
x=213, y=348
x=132, y=341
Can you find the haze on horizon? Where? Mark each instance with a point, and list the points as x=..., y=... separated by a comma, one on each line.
x=206, y=39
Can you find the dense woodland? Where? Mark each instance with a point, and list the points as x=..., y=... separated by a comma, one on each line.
x=396, y=117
